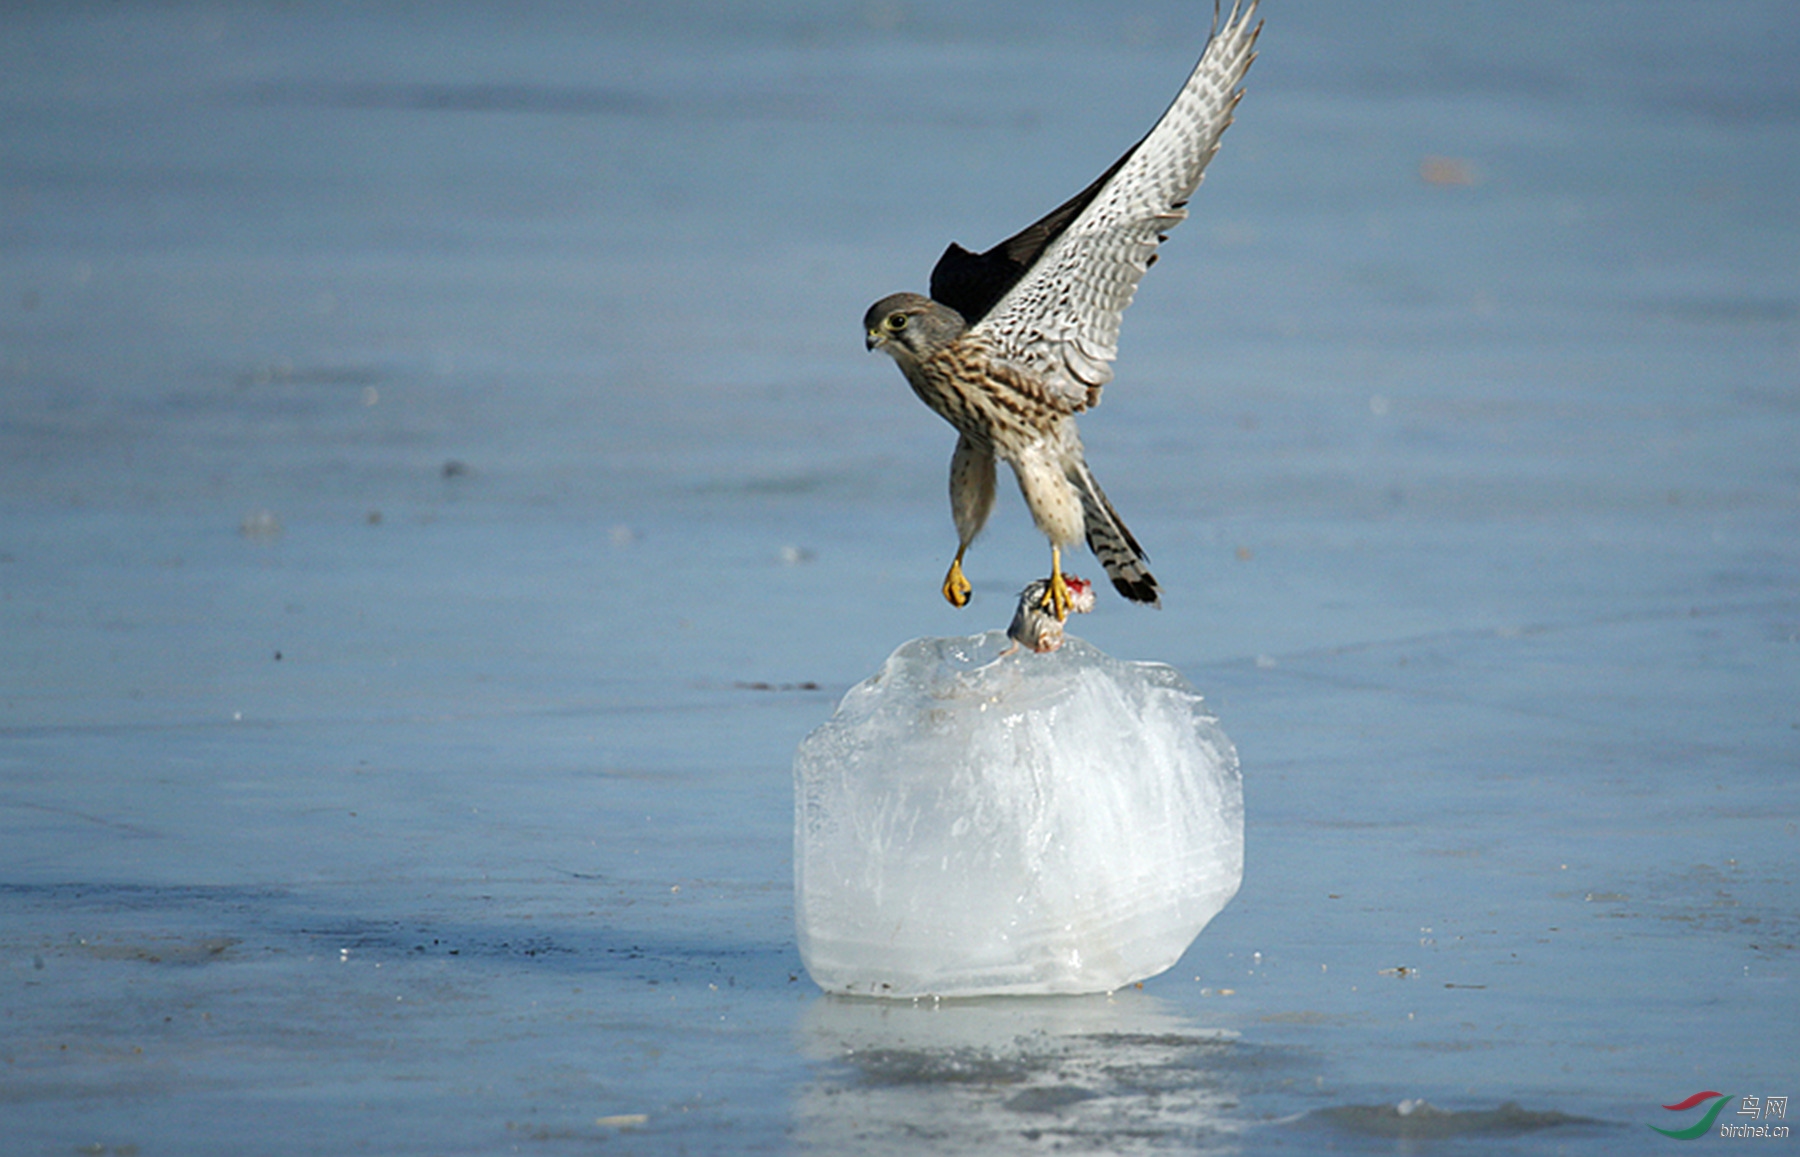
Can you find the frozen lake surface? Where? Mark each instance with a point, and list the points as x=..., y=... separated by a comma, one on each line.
x=441, y=482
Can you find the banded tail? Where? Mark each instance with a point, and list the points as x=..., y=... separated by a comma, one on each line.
x=1124, y=560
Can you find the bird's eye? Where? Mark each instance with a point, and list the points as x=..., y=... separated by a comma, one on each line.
x=896, y=321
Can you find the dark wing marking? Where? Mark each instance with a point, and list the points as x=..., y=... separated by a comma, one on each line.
x=971, y=283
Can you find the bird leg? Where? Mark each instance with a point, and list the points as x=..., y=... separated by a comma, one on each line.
x=956, y=587
x=1056, y=592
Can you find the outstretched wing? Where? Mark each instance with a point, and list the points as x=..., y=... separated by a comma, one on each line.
x=1060, y=316
x=972, y=283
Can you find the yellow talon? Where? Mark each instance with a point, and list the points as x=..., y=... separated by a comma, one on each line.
x=1056, y=593
x=956, y=587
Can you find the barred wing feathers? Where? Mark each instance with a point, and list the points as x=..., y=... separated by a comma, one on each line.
x=1061, y=318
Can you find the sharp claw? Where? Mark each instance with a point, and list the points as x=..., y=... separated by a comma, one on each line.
x=1056, y=596
x=956, y=587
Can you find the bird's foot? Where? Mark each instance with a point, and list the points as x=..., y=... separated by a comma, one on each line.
x=1056, y=596
x=956, y=587
x=1035, y=625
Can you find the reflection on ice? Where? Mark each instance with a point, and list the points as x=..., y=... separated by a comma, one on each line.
x=1421, y=1120
x=977, y=819
x=1121, y=1074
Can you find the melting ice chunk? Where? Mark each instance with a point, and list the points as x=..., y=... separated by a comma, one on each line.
x=973, y=824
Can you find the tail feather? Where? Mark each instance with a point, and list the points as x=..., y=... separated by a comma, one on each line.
x=1125, y=561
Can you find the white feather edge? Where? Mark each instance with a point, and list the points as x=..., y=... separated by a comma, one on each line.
x=1039, y=324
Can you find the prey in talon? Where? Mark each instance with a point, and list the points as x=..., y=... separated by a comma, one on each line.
x=1034, y=625
x=1014, y=342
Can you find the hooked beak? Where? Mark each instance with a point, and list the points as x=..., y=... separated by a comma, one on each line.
x=873, y=338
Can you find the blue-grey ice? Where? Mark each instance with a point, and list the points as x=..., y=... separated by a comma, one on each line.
x=979, y=820
x=442, y=481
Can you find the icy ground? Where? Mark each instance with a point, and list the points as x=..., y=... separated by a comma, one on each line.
x=441, y=482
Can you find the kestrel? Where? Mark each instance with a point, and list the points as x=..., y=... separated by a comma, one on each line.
x=1014, y=342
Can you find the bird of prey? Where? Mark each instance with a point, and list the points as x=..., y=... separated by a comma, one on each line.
x=1014, y=342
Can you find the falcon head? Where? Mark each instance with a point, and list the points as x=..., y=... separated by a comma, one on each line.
x=910, y=327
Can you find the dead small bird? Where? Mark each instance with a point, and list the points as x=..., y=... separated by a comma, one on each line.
x=1035, y=625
